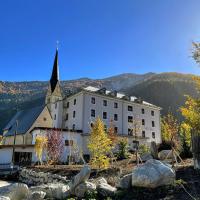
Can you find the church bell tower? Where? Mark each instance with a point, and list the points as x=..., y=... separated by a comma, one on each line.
x=54, y=95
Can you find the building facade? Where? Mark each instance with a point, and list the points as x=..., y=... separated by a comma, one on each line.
x=74, y=116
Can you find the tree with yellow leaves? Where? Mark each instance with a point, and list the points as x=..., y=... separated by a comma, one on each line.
x=99, y=145
x=40, y=146
x=191, y=112
x=1, y=139
x=170, y=134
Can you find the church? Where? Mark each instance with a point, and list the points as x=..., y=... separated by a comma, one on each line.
x=73, y=116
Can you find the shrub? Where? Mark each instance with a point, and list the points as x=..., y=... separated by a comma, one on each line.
x=122, y=149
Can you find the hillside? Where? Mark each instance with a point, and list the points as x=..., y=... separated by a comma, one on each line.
x=166, y=90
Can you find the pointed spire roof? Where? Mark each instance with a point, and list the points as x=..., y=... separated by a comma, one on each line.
x=55, y=73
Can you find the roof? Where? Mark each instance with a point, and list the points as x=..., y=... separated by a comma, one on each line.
x=118, y=95
x=55, y=73
x=25, y=119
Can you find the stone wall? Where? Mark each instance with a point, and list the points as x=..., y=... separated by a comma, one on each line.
x=33, y=178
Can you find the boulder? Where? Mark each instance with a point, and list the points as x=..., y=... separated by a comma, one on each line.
x=106, y=190
x=17, y=191
x=99, y=181
x=55, y=191
x=152, y=174
x=81, y=189
x=125, y=181
x=146, y=156
x=162, y=155
x=37, y=195
x=81, y=177
x=4, y=198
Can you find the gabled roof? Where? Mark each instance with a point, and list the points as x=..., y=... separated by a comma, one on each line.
x=25, y=119
x=55, y=73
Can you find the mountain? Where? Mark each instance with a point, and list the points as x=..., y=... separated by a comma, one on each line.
x=166, y=90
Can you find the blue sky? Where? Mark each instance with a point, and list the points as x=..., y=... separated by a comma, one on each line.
x=98, y=38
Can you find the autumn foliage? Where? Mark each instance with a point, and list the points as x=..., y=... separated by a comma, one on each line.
x=55, y=145
x=40, y=146
x=99, y=145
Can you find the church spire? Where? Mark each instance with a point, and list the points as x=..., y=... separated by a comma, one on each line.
x=55, y=73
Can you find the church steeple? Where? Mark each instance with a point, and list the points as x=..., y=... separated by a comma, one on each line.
x=55, y=73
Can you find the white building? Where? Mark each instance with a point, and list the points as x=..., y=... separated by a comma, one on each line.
x=74, y=115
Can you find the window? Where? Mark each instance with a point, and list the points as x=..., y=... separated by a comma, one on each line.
x=104, y=115
x=69, y=142
x=143, y=134
x=115, y=117
x=93, y=100
x=143, y=122
x=55, y=105
x=104, y=102
x=74, y=101
x=54, y=117
x=73, y=127
x=67, y=104
x=152, y=113
x=153, y=135
x=130, y=131
x=45, y=119
x=92, y=113
x=130, y=108
x=153, y=124
x=143, y=111
x=67, y=116
x=130, y=118
x=91, y=125
x=116, y=129
x=115, y=105
x=74, y=114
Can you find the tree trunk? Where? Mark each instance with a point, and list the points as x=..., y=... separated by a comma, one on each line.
x=196, y=150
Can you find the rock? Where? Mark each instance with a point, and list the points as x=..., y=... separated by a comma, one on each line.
x=146, y=156
x=81, y=189
x=125, y=181
x=99, y=181
x=17, y=191
x=163, y=154
x=154, y=150
x=37, y=195
x=57, y=190
x=106, y=190
x=81, y=177
x=4, y=198
x=152, y=174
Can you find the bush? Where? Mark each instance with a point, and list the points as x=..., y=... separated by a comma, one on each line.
x=143, y=148
x=122, y=149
